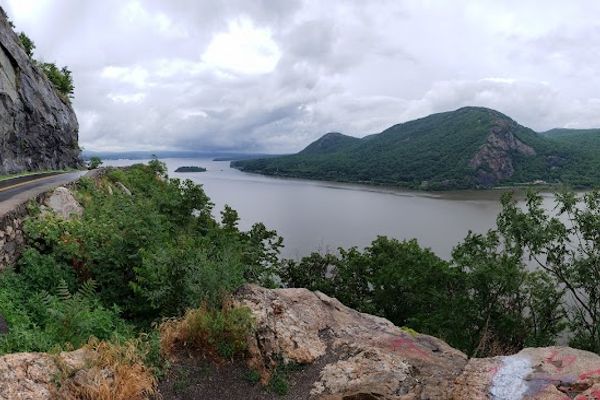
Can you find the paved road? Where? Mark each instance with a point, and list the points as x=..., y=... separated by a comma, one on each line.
x=20, y=190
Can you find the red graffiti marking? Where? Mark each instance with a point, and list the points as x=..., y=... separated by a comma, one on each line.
x=560, y=362
x=403, y=343
x=589, y=374
x=595, y=395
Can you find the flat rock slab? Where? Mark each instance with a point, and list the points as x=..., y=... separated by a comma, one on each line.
x=31, y=376
x=550, y=373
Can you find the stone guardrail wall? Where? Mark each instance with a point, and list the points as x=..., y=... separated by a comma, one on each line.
x=12, y=240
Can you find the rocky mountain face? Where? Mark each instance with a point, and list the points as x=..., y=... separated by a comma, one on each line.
x=472, y=147
x=347, y=355
x=493, y=162
x=38, y=128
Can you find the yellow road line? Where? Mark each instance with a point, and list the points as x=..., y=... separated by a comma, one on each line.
x=16, y=185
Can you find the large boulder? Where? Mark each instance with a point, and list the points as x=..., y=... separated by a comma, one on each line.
x=62, y=202
x=38, y=128
x=550, y=373
x=365, y=357
x=32, y=376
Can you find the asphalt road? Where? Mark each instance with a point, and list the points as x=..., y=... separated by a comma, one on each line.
x=19, y=190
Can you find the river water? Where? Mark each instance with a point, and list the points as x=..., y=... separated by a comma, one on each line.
x=321, y=216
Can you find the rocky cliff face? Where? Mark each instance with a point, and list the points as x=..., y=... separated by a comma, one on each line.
x=493, y=161
x=38, y=129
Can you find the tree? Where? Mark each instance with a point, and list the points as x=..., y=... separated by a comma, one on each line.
x=94, y=162
x=508, y=306
x=27, y=44
x=61, y=79
x=566, y=245
x=484, y=301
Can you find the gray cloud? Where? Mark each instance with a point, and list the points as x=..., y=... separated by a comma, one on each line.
x=275, y=75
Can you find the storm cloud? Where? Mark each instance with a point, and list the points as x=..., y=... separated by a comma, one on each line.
x=271, y=76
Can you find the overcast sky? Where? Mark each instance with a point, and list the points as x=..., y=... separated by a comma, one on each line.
x=273, y=75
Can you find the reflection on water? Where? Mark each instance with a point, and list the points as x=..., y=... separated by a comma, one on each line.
x=320, y=216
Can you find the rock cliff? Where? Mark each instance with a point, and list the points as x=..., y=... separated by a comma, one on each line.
x=38, y=128
x=493, y=161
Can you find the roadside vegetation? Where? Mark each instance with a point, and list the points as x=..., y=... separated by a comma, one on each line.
x=134, y=266
x=145, y=276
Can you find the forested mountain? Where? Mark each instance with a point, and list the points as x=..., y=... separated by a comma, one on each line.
x=472, y=147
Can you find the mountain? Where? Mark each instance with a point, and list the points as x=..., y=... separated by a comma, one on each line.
x=472, y=147
x=580, y=139
x=38, y=128
x=331, y=142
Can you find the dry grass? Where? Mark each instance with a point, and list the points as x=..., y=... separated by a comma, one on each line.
x=116, y=372
x=216, y=333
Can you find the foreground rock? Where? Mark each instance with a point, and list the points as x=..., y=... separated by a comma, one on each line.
x=38, y=128
x=31, y=376
x=552, y=373
x=366, y=357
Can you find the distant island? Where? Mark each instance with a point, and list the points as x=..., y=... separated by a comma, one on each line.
x=190, y=169
x=469, y=148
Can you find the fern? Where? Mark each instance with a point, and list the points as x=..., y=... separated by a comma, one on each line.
x=62, y=291
x=87, y=291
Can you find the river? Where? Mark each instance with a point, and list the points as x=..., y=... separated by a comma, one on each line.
x=321, y=216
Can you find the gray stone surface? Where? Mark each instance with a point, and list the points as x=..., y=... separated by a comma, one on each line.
x=62, y=202
x=38, y=129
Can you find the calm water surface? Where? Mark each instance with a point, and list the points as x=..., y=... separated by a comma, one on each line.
x=321, y=216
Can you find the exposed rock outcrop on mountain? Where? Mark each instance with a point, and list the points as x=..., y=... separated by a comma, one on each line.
x=38, y=129
x=493, y=161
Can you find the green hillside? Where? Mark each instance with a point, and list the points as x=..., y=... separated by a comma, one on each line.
x=472, y=147
x=331, y=142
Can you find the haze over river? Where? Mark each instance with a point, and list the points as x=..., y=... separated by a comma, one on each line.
x=320, y=216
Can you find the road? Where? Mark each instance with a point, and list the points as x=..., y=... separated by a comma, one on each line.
x=19, y=190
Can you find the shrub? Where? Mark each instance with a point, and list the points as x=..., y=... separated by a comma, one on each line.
x=27, y=44
x=61, y=79
x=218, y=333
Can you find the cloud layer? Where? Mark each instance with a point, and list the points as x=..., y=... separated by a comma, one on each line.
x=272, y=76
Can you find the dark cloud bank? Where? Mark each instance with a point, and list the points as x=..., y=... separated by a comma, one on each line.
x=271, y=76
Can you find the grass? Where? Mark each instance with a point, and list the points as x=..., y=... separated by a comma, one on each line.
x=220, y=334
x=116, y=371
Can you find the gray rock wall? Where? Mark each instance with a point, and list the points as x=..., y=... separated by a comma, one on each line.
x=11, y=235
x=38, y=128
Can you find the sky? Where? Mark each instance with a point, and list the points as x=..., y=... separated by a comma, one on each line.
x=274, y=75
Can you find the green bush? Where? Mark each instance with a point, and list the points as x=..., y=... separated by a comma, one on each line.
x=61, y=79
x=484, y=302
x=213, y=331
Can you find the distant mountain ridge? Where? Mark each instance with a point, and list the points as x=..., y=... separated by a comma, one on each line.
x=472, y=147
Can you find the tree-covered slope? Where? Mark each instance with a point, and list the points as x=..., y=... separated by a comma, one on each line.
x=467, y=148
x=331, y=142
